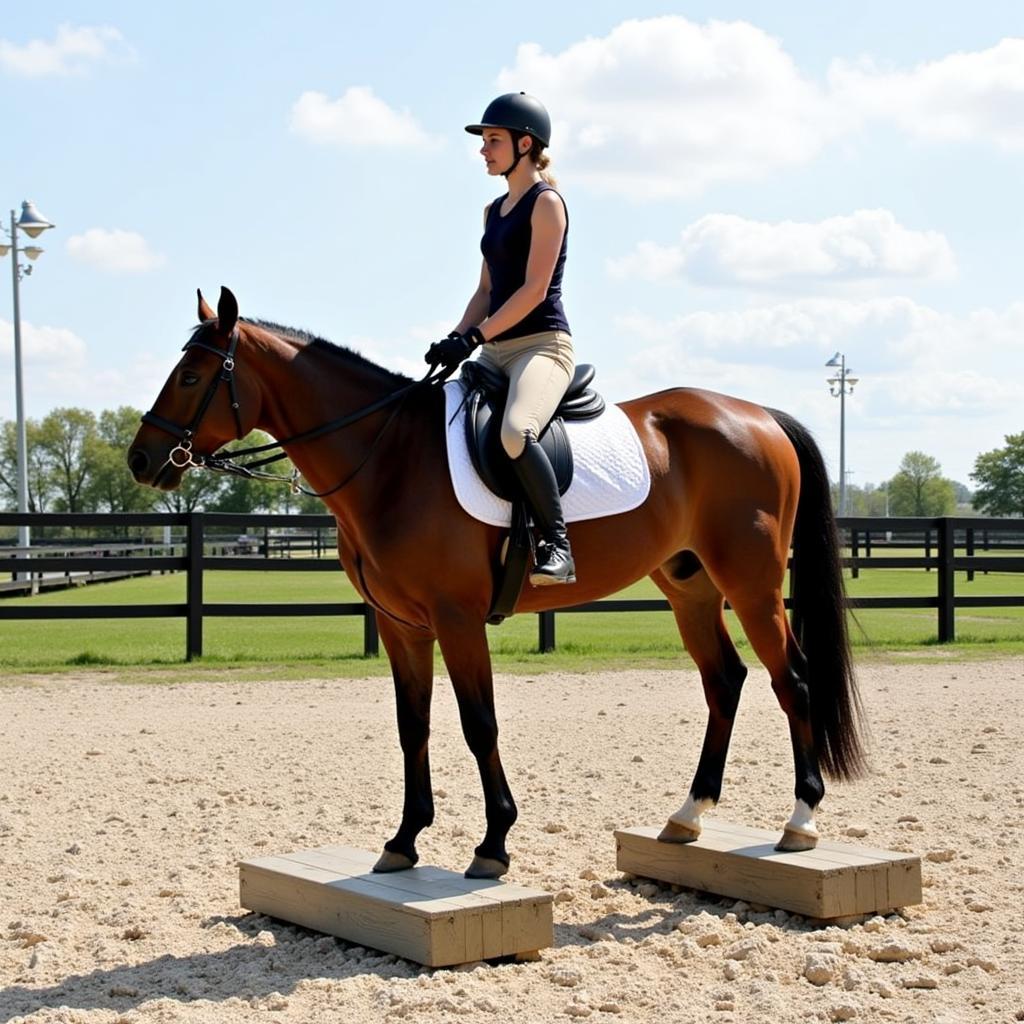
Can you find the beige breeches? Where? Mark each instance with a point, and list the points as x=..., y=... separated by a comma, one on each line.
x=539, y=368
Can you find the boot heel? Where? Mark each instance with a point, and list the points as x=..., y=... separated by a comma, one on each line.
x=539, y=579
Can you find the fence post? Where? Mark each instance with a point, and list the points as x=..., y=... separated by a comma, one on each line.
x=927, y=548
x=371, y=638
x=194, y=587
x=970, y=552
x=947, y=621
x=854, y=553
x=546, y=632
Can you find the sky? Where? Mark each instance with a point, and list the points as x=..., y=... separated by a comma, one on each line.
x=751, y=188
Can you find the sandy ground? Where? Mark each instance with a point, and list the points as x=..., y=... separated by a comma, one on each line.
x=125, y=808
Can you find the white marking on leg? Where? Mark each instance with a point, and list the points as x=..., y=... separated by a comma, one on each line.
x=689, y=814
x=802, y=822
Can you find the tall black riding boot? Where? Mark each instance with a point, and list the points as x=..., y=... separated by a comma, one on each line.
x=554, y=562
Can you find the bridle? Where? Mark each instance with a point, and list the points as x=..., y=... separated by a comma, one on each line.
x=183, y=450
x=182, y=455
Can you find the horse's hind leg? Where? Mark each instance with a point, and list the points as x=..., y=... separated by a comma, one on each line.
x=697, y=606
x=764, y=620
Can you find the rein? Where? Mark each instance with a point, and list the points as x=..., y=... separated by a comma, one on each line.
x=183, y=457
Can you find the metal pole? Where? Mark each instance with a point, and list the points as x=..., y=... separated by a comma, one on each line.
x=842, y=437
x=24, y=536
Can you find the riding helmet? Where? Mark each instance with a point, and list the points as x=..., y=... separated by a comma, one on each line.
x=518, y=112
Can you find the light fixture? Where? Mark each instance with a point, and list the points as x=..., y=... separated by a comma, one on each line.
x=31, y=221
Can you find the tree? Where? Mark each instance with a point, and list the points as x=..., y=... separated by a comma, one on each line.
x=919, y=489
x=243, y=494
x=41, y=492
x=1000, y=477
x=114, y=488
x=195, y=492
x=69, y=442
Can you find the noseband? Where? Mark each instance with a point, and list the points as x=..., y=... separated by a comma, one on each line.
x=183, y=457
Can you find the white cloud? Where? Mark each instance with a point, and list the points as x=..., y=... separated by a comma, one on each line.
x=928, y=380
x=114, y=251
x=42, y=345
x=357, y=118
x=962, y=97
x=723, y=249
x=72, y=51
x=894, y=333
x=664, y=107
x=60, y=369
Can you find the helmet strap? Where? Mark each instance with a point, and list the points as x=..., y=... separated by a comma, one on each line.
x=516, y=136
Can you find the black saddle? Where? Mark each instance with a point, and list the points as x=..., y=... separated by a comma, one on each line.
x=486, y=394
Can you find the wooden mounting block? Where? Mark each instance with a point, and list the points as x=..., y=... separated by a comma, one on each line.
x=833, y=880
x=435, y=917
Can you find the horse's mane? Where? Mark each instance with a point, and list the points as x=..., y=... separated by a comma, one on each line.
x=311, y=340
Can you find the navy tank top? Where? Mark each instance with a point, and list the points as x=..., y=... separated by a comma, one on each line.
x=506, y=248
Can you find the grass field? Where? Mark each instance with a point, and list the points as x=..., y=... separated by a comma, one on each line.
x=332, y=644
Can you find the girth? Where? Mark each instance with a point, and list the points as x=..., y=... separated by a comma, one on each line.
x=487, y=393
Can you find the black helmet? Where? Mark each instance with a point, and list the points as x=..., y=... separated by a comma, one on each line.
x=517, y=112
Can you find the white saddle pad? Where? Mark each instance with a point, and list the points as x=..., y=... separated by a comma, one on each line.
x=610, y=471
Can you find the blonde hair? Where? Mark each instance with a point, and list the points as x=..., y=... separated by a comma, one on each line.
x=542, y=161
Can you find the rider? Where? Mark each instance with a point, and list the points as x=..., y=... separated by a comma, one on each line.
x=515, y=315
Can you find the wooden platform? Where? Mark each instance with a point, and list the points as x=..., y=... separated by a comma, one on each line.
x=426, y=914
x=834, y=880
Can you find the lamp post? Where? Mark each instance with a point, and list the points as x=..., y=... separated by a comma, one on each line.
x=840, y=385
x=33, y=224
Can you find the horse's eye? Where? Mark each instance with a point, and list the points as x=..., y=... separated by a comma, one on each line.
x=188, y=378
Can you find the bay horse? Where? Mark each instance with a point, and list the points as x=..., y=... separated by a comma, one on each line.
x=732, y=484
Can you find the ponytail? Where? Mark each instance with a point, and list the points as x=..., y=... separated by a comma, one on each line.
x=542, y=161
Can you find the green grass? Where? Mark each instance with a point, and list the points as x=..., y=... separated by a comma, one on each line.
x=312, y=645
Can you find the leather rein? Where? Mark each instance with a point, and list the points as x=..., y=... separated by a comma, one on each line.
x=183, y=457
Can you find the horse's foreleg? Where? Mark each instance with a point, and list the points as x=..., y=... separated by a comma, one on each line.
x=464, y=647
x=412, y=666
x=769, y=633
x=697, y=606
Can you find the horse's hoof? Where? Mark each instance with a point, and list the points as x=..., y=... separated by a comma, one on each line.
x=795, y=842
x=486, y=867
x=673, y=832
x=389, y=862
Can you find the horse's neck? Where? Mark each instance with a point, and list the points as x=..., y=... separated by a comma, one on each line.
x=302, y=389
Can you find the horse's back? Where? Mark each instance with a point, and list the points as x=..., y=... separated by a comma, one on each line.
x=709, y=425
x=720, y=466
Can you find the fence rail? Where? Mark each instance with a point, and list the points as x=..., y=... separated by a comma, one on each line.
x=204, y=536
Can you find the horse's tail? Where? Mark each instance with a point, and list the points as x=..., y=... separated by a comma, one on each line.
x=818, y=613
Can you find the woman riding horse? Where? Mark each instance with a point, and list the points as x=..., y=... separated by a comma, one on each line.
x=515, y=315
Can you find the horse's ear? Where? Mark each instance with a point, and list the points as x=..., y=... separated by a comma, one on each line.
x=227, y=311
x=205, y=313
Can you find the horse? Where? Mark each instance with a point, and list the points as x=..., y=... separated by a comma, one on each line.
x=733, y=486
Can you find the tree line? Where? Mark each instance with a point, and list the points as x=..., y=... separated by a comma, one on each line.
x=918, y=487
x=76, y=463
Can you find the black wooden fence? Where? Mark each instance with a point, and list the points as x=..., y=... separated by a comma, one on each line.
x=941, y=539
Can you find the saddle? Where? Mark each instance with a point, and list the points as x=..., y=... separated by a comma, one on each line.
x=486, y=395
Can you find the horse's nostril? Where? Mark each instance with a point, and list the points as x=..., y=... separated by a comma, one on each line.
x=138, y=462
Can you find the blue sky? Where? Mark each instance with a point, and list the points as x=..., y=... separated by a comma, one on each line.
x=751, y=187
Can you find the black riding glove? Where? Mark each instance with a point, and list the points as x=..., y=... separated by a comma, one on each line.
x=452, y=350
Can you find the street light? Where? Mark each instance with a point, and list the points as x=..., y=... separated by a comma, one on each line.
x=33, y=223
x=840, y=385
